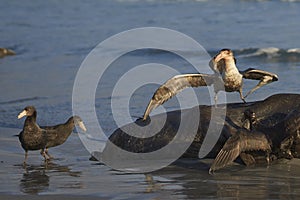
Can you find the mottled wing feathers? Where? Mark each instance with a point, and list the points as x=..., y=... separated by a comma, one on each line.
x=230, y=151
x=174, y=86
x=257, y=74
x=236, y=144
x=50, y=127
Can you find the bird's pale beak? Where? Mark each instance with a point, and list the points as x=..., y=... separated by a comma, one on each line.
x=218, y=57
x=22, y=114
x=82, y=126
x=10, y=52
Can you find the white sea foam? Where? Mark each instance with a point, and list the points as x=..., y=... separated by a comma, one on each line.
x=294, y=50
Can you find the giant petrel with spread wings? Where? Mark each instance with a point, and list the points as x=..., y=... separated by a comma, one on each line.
x=225, y=73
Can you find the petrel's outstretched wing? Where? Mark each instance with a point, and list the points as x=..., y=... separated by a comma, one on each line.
x=256, y=74
x=175, y=85
x=236, y=144
x=230, y=151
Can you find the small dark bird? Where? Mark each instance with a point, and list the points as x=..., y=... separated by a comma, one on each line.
x=59, y=133
x=6, y=52
x=239, y=144
x=226, y=77
x=281, y=139
x=32, y=137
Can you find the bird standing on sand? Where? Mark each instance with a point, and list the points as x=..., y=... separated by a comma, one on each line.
x=226, y=77
x=33, y=137
x=58, y=134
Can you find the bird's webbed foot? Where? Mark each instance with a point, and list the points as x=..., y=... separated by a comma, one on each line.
x=47, y=154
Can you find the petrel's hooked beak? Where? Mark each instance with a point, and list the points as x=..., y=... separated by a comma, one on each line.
x=82, y=126
x=7, y=52
x=10, y=52
x=22, y=114
x=218, y=57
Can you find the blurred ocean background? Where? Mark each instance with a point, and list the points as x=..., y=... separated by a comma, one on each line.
x=52, y=38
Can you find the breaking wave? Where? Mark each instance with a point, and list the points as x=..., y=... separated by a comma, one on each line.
x=292, y=54
x=272, y=53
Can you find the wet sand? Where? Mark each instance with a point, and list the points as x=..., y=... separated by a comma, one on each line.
x=47, y=197
x=72, y=175
x=58, y=179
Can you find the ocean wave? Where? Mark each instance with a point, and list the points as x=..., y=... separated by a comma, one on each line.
x=252, y=52
x=266, y=53
x=22, y=100
x=290, y=55
x=295, y=50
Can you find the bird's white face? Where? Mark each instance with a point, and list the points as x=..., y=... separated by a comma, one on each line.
x=223, y=54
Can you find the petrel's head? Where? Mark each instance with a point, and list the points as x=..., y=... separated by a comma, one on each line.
x=224, y=53
x=28, y=111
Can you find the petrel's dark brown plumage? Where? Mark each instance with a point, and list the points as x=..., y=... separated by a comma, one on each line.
x=33, y=137
x=238, y=143
x=226, y=77
x=59, y=133
x=292, y=140
x=282, y=137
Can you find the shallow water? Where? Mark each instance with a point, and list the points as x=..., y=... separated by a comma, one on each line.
x=71, y=173
x=52, y=39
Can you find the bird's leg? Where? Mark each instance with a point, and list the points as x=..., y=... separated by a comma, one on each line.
x=268, y=157
x=251, y=91
x=241, y=95
x=46, y=151
x=260, y=84
x=26, y=155
x=43, y=153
